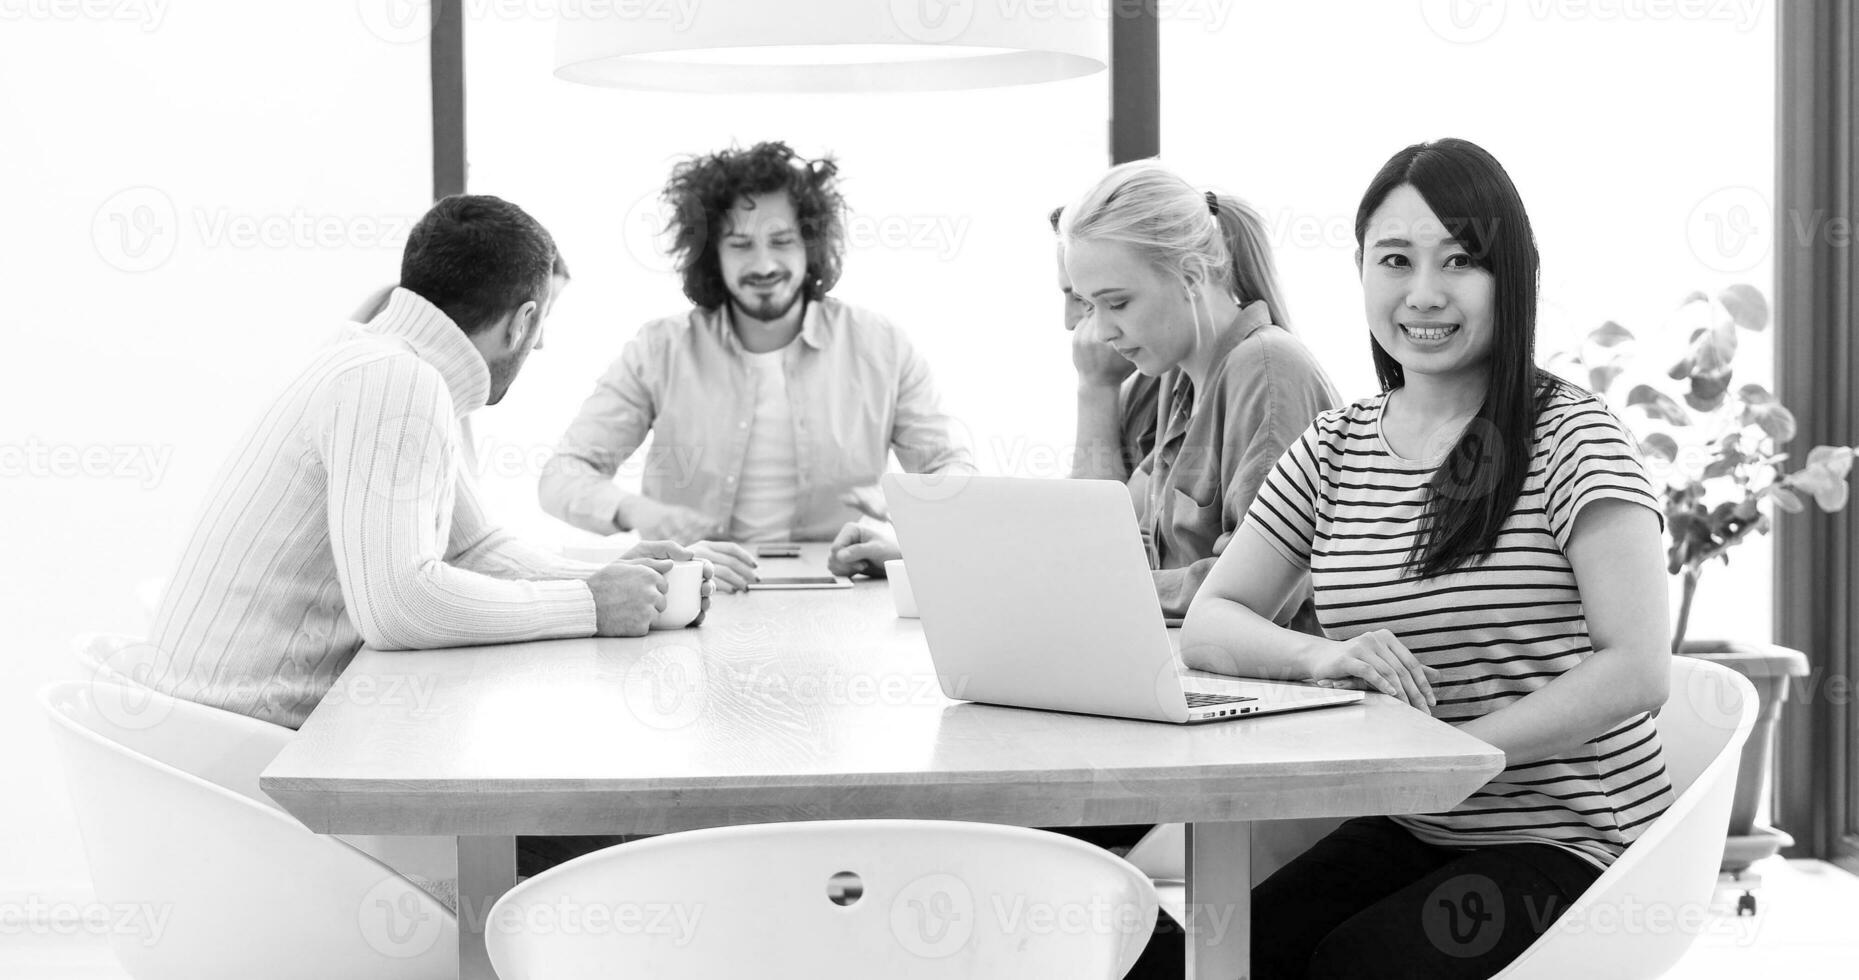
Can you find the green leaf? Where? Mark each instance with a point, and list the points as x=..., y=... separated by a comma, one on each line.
x=1708, y=391
x=1786, y=500
x=1695, y=296
x=1775, y=421
x=1747, y=306
x=1754, y=395
x=1610, y=334
x=1722, y=467
x=1837, y=460
x=1658, y=404
x=1600, y=378
x=1659, y=446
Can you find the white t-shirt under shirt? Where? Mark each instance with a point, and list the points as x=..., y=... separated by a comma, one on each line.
x=766, y=501
x=1341, y=503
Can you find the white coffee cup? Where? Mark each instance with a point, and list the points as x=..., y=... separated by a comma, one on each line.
x=683, y=595
x=901, y=596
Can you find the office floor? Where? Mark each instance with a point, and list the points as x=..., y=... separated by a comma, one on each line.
x=1804, y=931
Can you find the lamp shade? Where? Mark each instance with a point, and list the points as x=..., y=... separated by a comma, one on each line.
x=828, y=45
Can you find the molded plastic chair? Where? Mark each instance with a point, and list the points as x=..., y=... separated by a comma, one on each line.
x=173, y=823
x=923, y=899
x=1641, y=915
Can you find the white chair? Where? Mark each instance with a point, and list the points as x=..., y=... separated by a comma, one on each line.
x=1639, y=917
x=130, y=661
x=905, y=899
x=168, y=805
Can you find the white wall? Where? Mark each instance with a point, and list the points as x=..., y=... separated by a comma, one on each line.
x=195, y=196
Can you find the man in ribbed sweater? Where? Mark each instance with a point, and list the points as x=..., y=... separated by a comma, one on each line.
x=345, y=514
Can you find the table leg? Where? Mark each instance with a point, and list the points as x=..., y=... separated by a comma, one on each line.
x=1219, y=900
x=486, y=869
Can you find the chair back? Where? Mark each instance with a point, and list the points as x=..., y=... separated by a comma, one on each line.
x=1641, y=915
x=906, y=899
x=219, y=883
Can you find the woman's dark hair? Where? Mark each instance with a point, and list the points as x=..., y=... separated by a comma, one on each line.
x=1474, y=489
x=478, y=257
x=703, y=189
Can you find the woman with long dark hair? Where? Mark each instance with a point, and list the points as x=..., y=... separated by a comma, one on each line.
x=1484, y=545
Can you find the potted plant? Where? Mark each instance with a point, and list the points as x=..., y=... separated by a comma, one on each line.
x=1714, y=449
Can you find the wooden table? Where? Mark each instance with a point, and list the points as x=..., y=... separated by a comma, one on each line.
x=818, y=705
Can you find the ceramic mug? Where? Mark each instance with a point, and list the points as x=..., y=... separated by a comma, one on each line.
x=901, y=596
x=683, y=595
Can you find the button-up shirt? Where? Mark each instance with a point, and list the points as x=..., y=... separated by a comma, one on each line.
x=1264, y=389
x=857, y=388
x=345, y=516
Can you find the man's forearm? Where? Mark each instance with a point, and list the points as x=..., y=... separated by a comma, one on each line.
x=1099, y=453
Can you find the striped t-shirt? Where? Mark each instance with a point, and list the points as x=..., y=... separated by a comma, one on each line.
x=1341, y=503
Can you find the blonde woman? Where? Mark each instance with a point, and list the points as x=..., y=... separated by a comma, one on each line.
x=1180, y=282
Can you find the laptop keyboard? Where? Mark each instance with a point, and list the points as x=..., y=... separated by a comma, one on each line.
x=1197, y=700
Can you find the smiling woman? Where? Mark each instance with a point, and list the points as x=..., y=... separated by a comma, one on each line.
x=1483, y=544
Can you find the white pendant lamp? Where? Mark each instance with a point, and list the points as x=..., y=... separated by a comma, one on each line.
x=828, y=45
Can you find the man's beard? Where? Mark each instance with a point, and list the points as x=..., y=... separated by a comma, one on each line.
x=767, y=309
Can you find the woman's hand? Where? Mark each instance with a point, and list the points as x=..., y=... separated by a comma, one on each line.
x=1377, y=661
x=1096, y=361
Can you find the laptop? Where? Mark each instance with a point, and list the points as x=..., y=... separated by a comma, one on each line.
x=1037, y=594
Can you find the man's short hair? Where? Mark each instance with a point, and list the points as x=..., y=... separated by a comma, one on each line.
x=477, y=258
x=703, y=189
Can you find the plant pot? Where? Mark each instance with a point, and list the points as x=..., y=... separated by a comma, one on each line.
x=1768, y=668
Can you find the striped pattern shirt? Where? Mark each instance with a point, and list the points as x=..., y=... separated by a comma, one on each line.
x=1341, y=503
x=345, y=516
